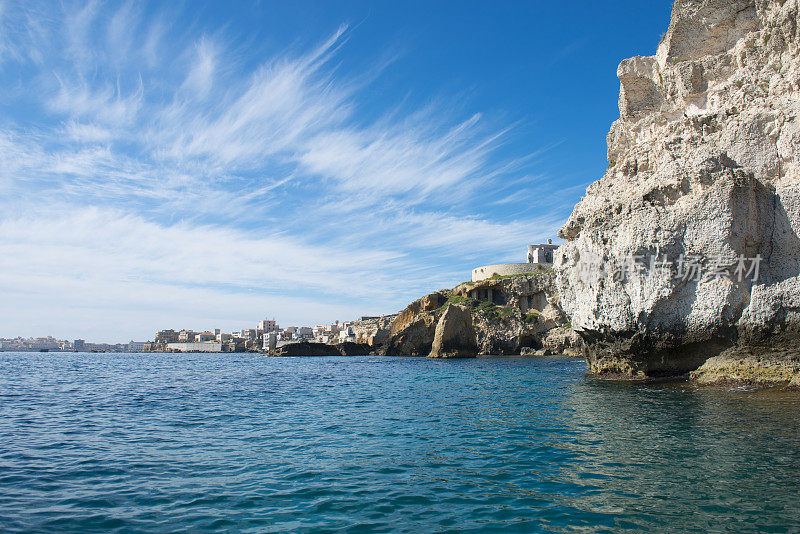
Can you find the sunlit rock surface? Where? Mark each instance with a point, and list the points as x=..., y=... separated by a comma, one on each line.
x=500, y=315
x=703, y=162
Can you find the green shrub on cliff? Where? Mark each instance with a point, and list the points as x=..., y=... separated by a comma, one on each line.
x=458, y=299
x=531, y=317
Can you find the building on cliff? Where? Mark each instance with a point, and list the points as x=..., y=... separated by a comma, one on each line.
x=539, y=258
x=542, y=254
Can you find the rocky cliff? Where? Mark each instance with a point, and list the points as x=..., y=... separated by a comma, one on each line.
x=685, y=255
x=372, y=331
x=501, y=315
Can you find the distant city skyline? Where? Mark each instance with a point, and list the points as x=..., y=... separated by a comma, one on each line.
x=366, y=329
x=197, y=165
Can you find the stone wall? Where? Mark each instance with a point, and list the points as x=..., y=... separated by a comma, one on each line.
x=508, y=269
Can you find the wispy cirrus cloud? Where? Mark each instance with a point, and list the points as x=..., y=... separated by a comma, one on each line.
x=200, y=78
x=103, y=105
x=165, y=157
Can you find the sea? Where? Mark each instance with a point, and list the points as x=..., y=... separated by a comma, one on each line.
x=248, y=443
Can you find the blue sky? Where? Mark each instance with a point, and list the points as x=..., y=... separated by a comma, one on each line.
x=178, y=165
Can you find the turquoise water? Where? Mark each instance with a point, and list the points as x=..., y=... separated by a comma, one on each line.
x=201, y=443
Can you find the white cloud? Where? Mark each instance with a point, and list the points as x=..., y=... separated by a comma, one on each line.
x=120, y=32
x=104, y=259
x=123, y=246
x=78, y=23
x=87, y=132
x=152, y=45
x=201, y=75
x=105, y=104
x=282, y=103
x=181, y=179
x=398, y=159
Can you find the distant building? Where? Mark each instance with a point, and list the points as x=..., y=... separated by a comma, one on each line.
x=186, y=336
x=136, y=346
x=44, y=343
x=270, y=341
x=542, y=253
x=304, y=332
x=167, y=336
x=346, y=333
x=204, y=336
x=79, y=345
x=268, y=325
x=539, y=258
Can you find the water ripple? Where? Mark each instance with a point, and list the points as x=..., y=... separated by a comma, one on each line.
x=219, y=443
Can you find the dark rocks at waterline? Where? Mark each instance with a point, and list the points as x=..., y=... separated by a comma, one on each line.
x=308, y=348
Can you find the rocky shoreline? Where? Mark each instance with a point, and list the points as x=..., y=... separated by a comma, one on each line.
x=311, y=348
x=684, y=258
x=501, y=315
x=498, y=316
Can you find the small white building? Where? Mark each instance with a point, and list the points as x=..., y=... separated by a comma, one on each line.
x=186, y=336
x=542, y=253
x=270, y=341
x=204, y=336
x=346, y=334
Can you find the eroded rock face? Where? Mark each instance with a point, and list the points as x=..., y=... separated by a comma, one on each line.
x=704, y=162
x=411, y=332
x=454, y=336
x=506, y=315
x=562, y=340
x=373, y=331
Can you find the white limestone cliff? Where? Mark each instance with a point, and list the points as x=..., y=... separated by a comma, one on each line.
x=704, y=161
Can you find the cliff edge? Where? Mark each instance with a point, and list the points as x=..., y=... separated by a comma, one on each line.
x=685, y=256
x=499, y=315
